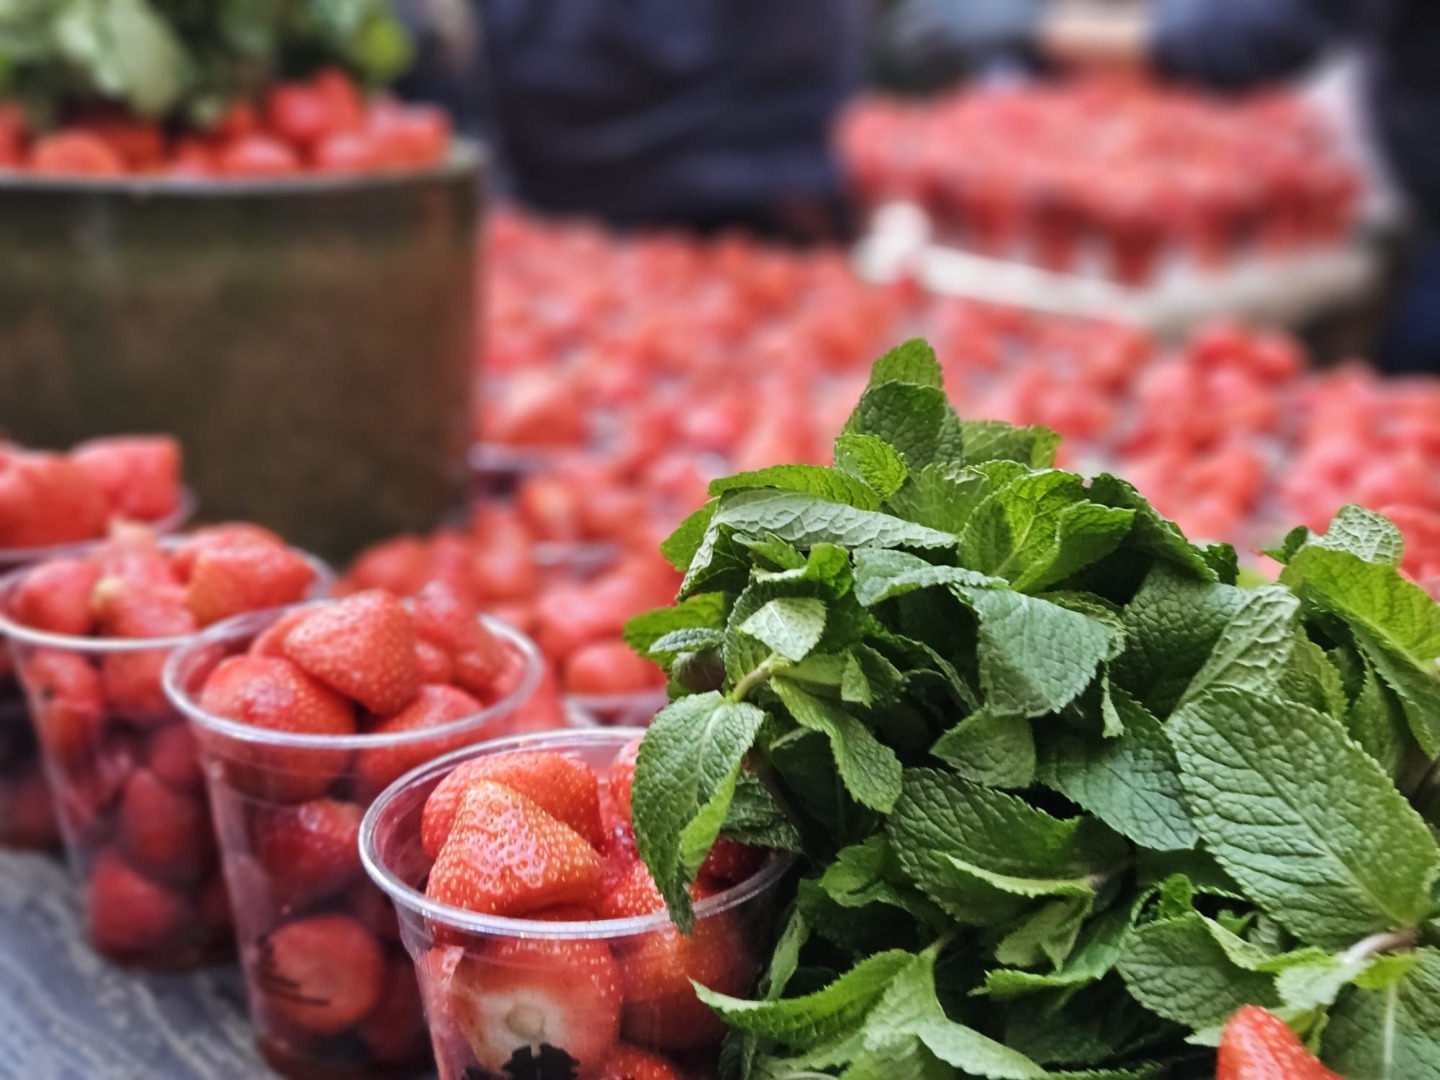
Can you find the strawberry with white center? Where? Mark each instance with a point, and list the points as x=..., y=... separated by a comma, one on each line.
x=362, y=646
x=320, y=975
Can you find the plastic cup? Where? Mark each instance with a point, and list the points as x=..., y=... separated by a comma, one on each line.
x=27, y=816
x=491, y=985
x=622, y=710
x=332, y=992
x=127, y=791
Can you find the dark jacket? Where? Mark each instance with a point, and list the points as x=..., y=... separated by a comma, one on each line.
x=657, y=110
x=1236, y=43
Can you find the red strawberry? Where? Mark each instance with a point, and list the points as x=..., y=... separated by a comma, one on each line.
x=564, y=788
x=66, y=703
x=610, y=667
x=545, y=711
x=257, y=157
x=632, y=892
x=271, y=640
x=631, y=1063
x=622, y=775
x=730, y=863
x=507, y=856
x=235, y=578
x=1258, y=1045
x=55, y=597
x=139, y=475
x=133, y=687
x=133, y=553
x=45, y=499
x=400, y=566
x=445, y=620
x=27, y=814
x=435, y=664
x=175, y=759
x=75, y=153
x=214, y=906
x=363, y=646
x=231, y=534
x=163, y=833
x=434, y=707
x=270, y=692
x=374, y=909
x=395, y=1032
x=321, y=975
x=126, y=607
x=519, y=992
x=661, y=1008
x=127, y=913
x=310, y=851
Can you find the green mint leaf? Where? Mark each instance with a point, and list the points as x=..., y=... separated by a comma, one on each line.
x=791, y=626
x=909, y=417
x=1097, y=949
x=702, y=614
x=993, y=440
x=867, y=873
x=1391, y=1033
x=685, y=777
x=1152, y=534
x=881, y=575
x=127, y=50
x=1255, y=647
x=1177, y=970
x=911, y=361
x=1132, y=783
x=1312, y=678
x=1049, y=933
x=943, y=496
x=1303, y=818
x=873, y=461
x=855, y=686
x=870, y=770
x=806, y=521
x=755, y=818
x=1294, y=540
x=815, y=1019
x=774, y=550
x=1376, y=720
x=1364, y=534
x=678, y=641
x=681, y=546
x=1035, y=657
x=1317, y=982
x=1088, y=1027
x=1039, y=529
x=823, y=483
x=1171, y=627
x=991, y=749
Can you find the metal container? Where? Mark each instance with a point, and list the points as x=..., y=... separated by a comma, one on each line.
x=310, y=340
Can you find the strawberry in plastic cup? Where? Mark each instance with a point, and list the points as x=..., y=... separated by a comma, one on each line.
x=538, y=936
x=89, y=636
x=303, y=717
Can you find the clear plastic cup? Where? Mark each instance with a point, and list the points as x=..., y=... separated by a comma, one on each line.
x=127, y=791
x=332, y=992
x=515, y=994
x=27, y=816
x=622, y=710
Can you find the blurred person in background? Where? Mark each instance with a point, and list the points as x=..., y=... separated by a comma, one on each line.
x=707, y=114
x=1232, y=45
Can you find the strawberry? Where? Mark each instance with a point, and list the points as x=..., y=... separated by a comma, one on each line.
x=27, y=813
x=1258, y=1045
x=133, y=553
x=271, y=692
x=231, y=534
x=661, y=1008
x=66, y=703
x=626, y=1062
x=730, y=863
x=363, y=646
x=609, y=667
x=434, y=707
x=213, y=904
x=631, y=892
x=532, y=992
x=506, y=856
x=435, y=664
x=133, y=687
x=374, y=909
x=271, y=640
x=622, y=775
x=76, y=153
x=46, y=499
x=257, y=157
x=127, y=913
x=310, y=851
x=235, y=578
x=128, y=607
x=564, y=788
x=445, y=620
x=545, y=711
x=320, y=975
x=395, y=1031
x=175, y=759
x=163, y=833
x=139, y=475
x=55, y=597
x=401, y=566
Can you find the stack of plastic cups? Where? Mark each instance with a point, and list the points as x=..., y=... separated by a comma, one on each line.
x=332, y=992
x=486, y=980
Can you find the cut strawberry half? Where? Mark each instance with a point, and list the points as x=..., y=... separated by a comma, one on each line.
x=319, y=975
x=362, y=646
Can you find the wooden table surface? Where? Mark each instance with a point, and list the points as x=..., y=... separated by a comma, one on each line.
x=65, y=1014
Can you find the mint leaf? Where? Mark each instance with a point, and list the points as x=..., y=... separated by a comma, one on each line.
x=1152, y=534
x=805, y=521
x=943, y=496
x=910, y=417
x=1255, y=647
x=881, y=575
x=1364, y=534
x=681, y=546
x=816, y=480
x=1097, y=949
x=791, y=626
x=1302, y=818
x=755, y=818
x=810, y=1021
x=990, y=748
x=870, y=770
x=1132, y=783
x=685, y=777
x=695, y=618
x=1376, y=720
x=1039, y=529
x=1176, y=969
x=1391, y=1033
x=912, y=361
x=873, y=461
x=993, y=440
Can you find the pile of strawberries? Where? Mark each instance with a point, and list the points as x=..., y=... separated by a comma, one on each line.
x=48, y=499
x=318, y=125
x=329, y=980
x=1120, y=170
x=540, y=835
x=129, y=787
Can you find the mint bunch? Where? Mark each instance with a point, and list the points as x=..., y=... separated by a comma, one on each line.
x=1065, y=794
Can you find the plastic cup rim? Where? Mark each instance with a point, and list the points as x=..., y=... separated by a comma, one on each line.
x=22, y=558
x=28, y=635
x=252, y=623
x=411, y=899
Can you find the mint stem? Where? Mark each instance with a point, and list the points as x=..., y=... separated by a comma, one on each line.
x=1375, y=944
x=758, y=677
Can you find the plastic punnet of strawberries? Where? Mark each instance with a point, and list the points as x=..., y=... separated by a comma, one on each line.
x=89, y=635
x=303, y=717
x=538, y=933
